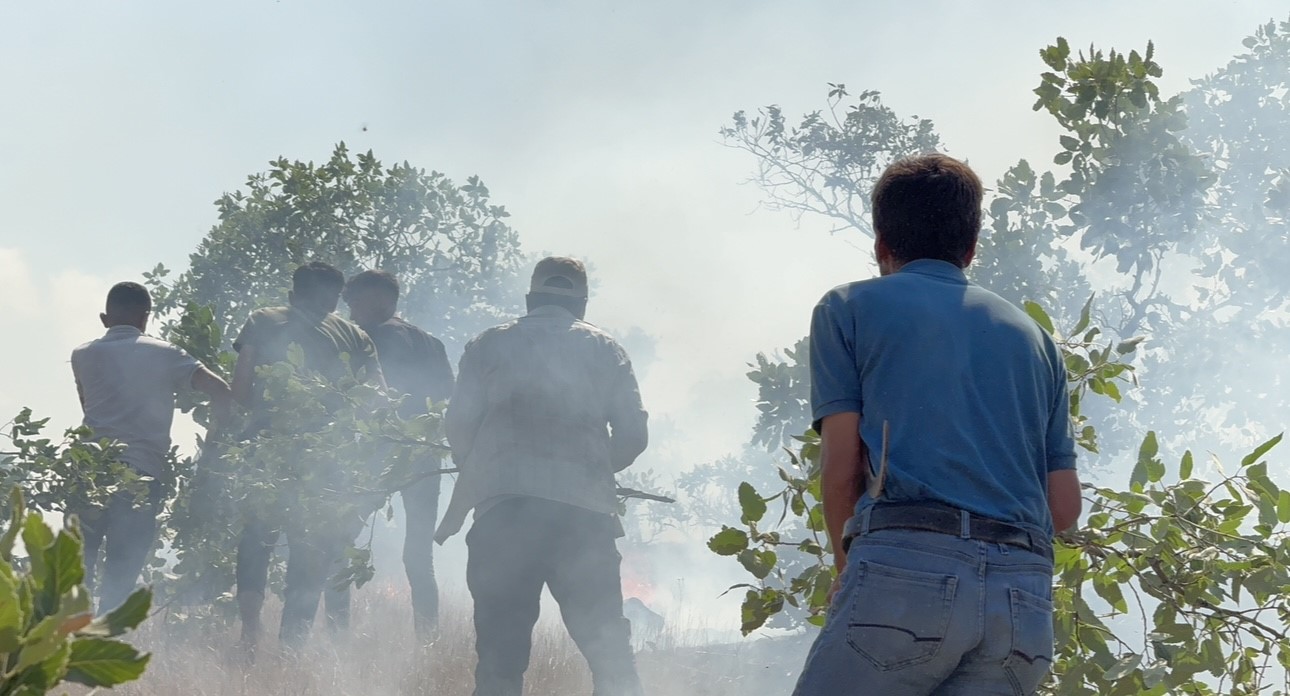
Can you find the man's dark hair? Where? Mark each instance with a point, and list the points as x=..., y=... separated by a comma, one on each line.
x=375, y=279
x=928, y=207
x=315, y=278
x=128, y=298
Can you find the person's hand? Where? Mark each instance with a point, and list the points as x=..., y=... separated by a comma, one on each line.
x=837, y=585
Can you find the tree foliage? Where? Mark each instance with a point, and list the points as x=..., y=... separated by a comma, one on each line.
x=320, y=469
x=48, y=632
x=1170, y=209
x=1177, y=205
x=449, y=245
x=73, y=474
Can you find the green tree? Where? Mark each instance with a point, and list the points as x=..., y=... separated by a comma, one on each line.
x=1180, y=204
x=1175, y=584
x=449, y=245
x=456, y=259
x=69, y=475
x=48, y=632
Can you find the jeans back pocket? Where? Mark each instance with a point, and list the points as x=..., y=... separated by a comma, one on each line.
x=898, y=617
x=1031, y=655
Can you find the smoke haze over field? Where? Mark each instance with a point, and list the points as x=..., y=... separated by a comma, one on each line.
x=594, y=124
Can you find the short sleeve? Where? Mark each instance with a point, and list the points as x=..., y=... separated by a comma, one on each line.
x=181, y=368
x=250, y=333
x=835, y=372
x=1059, y=444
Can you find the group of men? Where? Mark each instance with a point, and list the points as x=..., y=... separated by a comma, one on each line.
x=947, y=457
x=545, y=411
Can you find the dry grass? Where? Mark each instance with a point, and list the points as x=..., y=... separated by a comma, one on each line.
x=379, y=657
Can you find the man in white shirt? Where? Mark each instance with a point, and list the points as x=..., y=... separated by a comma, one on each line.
x=127, y=383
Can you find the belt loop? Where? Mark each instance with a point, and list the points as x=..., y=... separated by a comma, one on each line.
x=965, y=524
x=864, y=520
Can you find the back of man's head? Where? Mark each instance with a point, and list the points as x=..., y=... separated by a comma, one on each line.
x=127, y=303
x=928, y=207
x=373, y=296
x=316, y=286
x=560, y=281
x=374, y=280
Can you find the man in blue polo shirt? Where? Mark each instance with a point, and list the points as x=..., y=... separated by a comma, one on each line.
x=947, y=459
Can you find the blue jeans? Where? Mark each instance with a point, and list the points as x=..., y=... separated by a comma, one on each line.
x=928, y=613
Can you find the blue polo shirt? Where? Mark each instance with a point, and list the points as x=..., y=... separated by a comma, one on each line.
x=973, y=390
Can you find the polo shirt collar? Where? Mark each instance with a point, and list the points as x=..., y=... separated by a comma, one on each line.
x=936, y=269
x=122, y=331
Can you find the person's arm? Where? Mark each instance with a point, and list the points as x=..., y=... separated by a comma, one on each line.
x=244, y=376
x=466, y=408
x=248, y=338
x=843, y=474
x=439, y=378
x=1064, y=499
x=836, y=405
x=217, y=389
x=628, y=420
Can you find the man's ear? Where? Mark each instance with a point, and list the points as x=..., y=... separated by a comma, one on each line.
x=881, y=252
x=103, y=317
x=971, y=254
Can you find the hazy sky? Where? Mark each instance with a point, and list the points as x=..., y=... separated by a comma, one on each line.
x=594, y=123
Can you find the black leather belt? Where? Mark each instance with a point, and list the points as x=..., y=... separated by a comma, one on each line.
x=943, y=519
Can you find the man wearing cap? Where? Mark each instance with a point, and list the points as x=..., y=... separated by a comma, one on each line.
x=944, y=543
x=546, y=410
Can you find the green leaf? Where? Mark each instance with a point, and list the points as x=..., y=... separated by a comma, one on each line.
x=11, y=615
x=1128, y=346
x=1261, y=450
x=37, y=537
x=1283, y=507
x=16, y=510
x=38, y=678
x=1123, y=667
x=1185, y=469
x=759, y=563
x=104, y=662
x=1039, y=315
x=1109, y=590
x=1085, y=315
x=41, y=642
x=752, y=504
x=130, y=614
x=728, y=542
x=65, y=565
x=1146, y=454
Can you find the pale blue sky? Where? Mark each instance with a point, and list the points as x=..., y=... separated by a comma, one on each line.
x=594, y=123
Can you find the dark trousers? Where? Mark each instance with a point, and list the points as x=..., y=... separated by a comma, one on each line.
x=311, y=558
x=125, y=531
x=421, y=510
x=526, y=543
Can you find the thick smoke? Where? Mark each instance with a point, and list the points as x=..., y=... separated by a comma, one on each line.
x=622, y=168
